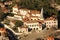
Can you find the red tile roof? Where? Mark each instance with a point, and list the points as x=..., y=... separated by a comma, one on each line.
x=50, y=18
x=34, y=17
x=34, y=12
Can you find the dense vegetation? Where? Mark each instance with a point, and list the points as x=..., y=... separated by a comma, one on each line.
x=34, y=5
x=38, y=4
x=18, y=23
x=57, y=1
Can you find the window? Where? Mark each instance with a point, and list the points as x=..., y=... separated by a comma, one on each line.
x=36, y=28
x=54, y=22
x=31, y=19
x=47, y=23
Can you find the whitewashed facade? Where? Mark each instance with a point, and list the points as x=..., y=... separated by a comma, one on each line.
x=51, y=23
x=15, y=9
x=33, y=25
x=23, y=30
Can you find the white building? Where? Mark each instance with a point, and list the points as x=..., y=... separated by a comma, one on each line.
x=28, y=13
x=15, y=17
x=24, y=11
x=18, y=17
x=35, y=13
x=51, y=23
x=15, y=9
x=39, y=14
x=34, y=25
x=23, y=30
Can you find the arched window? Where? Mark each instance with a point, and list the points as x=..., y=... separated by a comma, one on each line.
x=34, y=28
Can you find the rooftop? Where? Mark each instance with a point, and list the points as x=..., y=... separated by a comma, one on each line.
x=31, y=21
x=34, y=12
x=34, y=17
x=50, y=18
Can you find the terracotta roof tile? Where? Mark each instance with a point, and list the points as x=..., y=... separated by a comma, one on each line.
x=50, y=18
x=31, y=21
x=34, y=17
x=34, y=12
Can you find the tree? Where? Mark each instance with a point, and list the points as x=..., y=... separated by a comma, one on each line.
x=2, y=0
x=57, y=1
x=38, y=4
x=7, y=22
x=4, y=15
x=10, y=14
x=18, y=23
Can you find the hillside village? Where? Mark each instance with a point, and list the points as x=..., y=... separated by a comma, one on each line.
x=26, y=21
x=32, y=20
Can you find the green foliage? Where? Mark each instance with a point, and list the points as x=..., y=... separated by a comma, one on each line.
x=4, y=15
x=7, y=21
x=31, y=4
x=2, y=0
x=38, y=4
x=18, y=23
x=57, y=1
x=34, y=4
x=10, y=14
x=15, y=29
